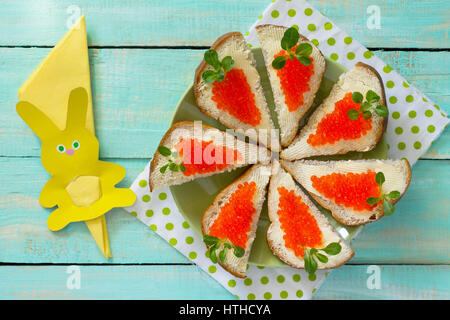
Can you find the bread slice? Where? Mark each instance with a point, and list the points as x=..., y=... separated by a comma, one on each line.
x=360, y=78
x=397, y=174
x=233, y=44
x=260, y=174
x=248, y=153
x=270, y=37
x=275, y=234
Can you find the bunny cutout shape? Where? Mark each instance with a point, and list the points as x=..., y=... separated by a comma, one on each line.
x=82, y=186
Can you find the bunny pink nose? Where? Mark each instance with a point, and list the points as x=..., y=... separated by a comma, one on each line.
x=70, y=152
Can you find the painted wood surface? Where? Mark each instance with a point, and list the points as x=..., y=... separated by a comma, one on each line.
x=134, y=46
x=421, y=219
x=405, y=23
x=188, y=282
x=136, y=90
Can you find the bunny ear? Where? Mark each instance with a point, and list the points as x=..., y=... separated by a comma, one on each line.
x=77, y=108
x=36, y=120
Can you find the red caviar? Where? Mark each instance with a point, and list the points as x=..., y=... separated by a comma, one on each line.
x=337, y=125
x=350, y=190
x=235, y=217
x=299, y=225
x=203, y=156
x=294, y=79
x=233, y=94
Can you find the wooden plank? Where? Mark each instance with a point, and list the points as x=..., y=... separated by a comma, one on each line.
x=417, y=23
x=397, y=282
x=165, y=282
x=136, y=91
x=417, y=232
x=188, y=282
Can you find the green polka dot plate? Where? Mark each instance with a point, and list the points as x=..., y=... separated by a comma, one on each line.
x=194, y=197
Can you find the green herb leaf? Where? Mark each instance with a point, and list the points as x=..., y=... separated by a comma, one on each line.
x=307, y=259
x=210, y=240
x=212, y=58
x=388, y=207
x=227, y=63
x=365, y=106
x=209, y=76
x=222, y=255
x=304, y=60
x=163, y=168
x=372, y=201
x=313, y=265
x=304, y=49
x=238, y=251
x=212, y=254
x=367, y=115
x=353, y=114
x=394, y=194
x=290, y=38
x=333, y=248
x=164, y=151
x=322, y=258
x=279, y=62
x=227, y=245
x=382, y=111
x=372, y=97
x=173, y=167
x=357, y=97
x=221, y=76
x=379, y=178
x=182, y=167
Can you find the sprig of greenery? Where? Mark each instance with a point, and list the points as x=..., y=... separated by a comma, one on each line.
x=220, y=67
x=367, y=106
x=311, y=254
x=171, y=156
x=215, y=243
x=388, y=206
x=301, y=53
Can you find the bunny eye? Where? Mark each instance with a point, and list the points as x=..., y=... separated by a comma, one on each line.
x=76, y=145
x=61, y=148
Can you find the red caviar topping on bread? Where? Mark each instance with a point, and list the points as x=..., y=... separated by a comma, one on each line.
x=205, y=157
x=294, y=79
x=235, y=217
x=337, y=125
x=299, y=225
x=234, y=95
x=350, y=190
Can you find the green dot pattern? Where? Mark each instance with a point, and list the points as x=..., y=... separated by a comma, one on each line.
x=334, y=56
x=149, y=213
x=275, y=14
x=308, y=12
x=291, y=13
x=146, y=198
x=311, y=27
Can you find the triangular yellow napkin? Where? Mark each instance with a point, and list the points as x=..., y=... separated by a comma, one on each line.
x=66, y=67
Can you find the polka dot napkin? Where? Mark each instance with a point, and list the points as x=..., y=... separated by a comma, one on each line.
x=414, y=123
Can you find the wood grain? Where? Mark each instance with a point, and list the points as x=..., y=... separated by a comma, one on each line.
x=397, y=282
x=417, y=232
x=188, y=282
x=136, y=90
x=417, y=23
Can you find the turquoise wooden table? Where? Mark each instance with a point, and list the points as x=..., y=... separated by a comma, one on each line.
x=143, y=55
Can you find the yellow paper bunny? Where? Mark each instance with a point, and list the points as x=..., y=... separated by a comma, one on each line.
x=81, y=185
